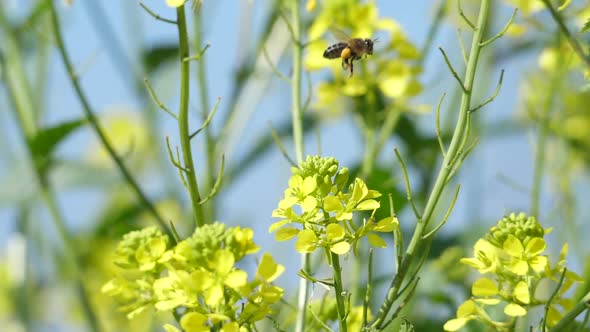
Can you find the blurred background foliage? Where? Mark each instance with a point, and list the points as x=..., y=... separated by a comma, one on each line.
x=533, y=155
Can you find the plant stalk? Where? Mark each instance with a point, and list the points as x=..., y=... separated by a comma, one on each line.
x=445, y=169
x=338, y=290
x=183, y=127
x=297, y=119
x=205, y=108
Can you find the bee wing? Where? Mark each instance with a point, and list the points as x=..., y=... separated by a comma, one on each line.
x=339, y=34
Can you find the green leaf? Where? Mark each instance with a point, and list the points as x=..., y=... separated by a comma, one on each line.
x=47, y=139
x=157, y=55
x=586, y=26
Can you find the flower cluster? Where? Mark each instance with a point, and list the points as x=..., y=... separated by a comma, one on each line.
x=319, y=199
x=512, y=254
x=197, y=278
x=389, y=72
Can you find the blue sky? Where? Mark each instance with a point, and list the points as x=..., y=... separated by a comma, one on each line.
x=250, y=201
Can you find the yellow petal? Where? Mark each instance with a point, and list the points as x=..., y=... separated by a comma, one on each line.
x=340, y=248
x=520, y=267
x=513, y=246
x=535, y=246
x=376, y=241
x=521, y=292
x=484, y=287
x=514, y=310
x=335, y=232
x=455, y=324
x=175, y=3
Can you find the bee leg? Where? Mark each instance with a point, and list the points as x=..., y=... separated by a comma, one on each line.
x=351, y=69
x=344, y=64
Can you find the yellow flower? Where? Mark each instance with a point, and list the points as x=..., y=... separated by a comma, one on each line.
x=486, y=257
x=175, y=3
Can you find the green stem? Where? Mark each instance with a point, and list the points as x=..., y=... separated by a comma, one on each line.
x=341, y=308
x=539, y=168
x=568, y=35
x=205, y=108
x=296, y=110
x=92, y=119
x=19, y=88
x=297, y=119
x=445, y=168
x=70, y=252
x=539, y=164
x=584, y=304
x=183, y=126
x=129, y=71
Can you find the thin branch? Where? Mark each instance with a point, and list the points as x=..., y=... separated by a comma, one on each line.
x=408, y=187
x=447, y=214
x=403, y=304
x=273, y=67
x=290, y=27
x=455, y=75
x=156, y=16
x=309, y=94
x=369, y=288
x=501, y=33
x=157, y=100
x=320, y=321
x=198, y=56
x=466, y=134
x=93, y=120
x=462, y=46
x=217, y=184
x=462, y=159
x=553, y=295
x=174, y=162
x=180, y=173
x=174, y=232
x=492, y=97
x=277, y=139
x=207, y=120
x=438, y=134
x=464, y=16
x=570, y=38
x=569, y=317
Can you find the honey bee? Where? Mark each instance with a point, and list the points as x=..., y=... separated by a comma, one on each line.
x=349, y=49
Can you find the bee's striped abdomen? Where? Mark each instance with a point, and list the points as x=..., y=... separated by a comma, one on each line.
x=334, y=51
